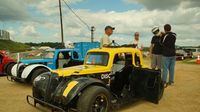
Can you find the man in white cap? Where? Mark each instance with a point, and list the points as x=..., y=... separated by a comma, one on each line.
x=105, y=40
x=156, y=49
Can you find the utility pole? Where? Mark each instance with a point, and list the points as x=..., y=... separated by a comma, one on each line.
x=61, y=24
x=92, y=33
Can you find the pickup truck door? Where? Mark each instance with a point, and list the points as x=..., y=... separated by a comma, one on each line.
x=147, y=83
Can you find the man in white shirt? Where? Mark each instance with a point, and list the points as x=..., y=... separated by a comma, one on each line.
x=136, y=42
x=105, y=40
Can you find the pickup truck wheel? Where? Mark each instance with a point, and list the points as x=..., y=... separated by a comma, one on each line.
x=37, y=72
x=161, y=90
x=8, y=68
x=94, y=99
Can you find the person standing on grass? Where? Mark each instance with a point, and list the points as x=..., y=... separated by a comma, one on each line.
x=168, y=58
x=156, y=49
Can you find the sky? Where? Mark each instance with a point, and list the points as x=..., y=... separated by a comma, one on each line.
x=38, y=20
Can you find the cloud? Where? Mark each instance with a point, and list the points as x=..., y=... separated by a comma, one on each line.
x=12, y=33
x=184, y=21
x=29, y=31
x=32, y=1
x=165, y=4
x=190, y=3
x=183, y=16
x=50, y=7
x=13, y=10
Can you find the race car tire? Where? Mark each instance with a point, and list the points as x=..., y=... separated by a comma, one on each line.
x=94, y=99
x=8, y=68
x=37, y=72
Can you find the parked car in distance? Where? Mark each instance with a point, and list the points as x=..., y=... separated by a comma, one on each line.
x=180, y=54
x=26, y=70
x=6, y=62
x=189, y=53
x=195, y=51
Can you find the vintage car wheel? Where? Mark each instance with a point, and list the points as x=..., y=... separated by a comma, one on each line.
x=8, y=68
x=94, y=99
x=37, y=72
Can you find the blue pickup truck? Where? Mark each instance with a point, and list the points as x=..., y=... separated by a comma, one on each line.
x=28, y=70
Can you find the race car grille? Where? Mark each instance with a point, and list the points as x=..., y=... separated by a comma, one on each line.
x=53, y=82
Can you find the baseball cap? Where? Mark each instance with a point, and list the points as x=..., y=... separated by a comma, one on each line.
x=109, y=27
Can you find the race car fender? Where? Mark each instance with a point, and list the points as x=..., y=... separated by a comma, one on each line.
x=26, y=72
x=74, y=87
x=15, y=69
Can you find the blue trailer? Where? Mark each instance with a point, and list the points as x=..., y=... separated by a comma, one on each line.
x=28, y=70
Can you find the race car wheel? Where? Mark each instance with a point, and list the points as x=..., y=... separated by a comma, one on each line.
x=37, y=72
x=8, y=68
x=94, y=99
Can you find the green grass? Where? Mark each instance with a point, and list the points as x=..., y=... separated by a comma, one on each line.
x=13, y=46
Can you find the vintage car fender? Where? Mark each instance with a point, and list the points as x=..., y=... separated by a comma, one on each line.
x=74, y=87
x=26, y=72
x=15, y=69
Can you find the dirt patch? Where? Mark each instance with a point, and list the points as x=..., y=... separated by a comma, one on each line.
x=184, y=96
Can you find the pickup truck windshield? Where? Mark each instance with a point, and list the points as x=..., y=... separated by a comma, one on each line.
x=97, y=58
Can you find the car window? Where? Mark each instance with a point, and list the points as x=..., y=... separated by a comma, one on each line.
x=61, y=56
x=97, y=58
x=137, y=60
x=48, y=54
x=1, y=56
x=119, y=58
x=193, y=50
x=66, y=54
x=75, y=54
x=123, y=58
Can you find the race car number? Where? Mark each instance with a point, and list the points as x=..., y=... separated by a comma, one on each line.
x=105, y=76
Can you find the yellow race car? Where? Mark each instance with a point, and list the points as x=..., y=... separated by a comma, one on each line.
x=108, y=78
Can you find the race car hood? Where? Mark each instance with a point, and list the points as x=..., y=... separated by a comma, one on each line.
x=35, y=61
x=81, y=70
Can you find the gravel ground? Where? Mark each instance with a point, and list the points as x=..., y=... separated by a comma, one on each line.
x=184, y=96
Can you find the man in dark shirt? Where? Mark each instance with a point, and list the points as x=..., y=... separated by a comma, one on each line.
x=168, y=58
x=156, y=49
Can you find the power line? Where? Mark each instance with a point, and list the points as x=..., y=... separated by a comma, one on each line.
x=75, y=21
x=76, y=15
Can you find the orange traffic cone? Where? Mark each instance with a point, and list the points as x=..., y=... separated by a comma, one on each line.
x=198, y=59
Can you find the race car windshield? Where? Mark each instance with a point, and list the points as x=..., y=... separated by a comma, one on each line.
x=97, y=58
x=48, y=54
